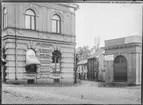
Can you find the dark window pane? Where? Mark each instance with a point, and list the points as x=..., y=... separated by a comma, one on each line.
x=120, y=59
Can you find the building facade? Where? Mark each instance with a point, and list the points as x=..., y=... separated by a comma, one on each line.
x=123, y=60
x=93, y=67
x=41, y=34
x=82, y=69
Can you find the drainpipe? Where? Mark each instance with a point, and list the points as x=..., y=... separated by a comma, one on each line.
x=142, y=63
x=75, y=63
x=55, y=64
x=0, y=47
x=15, y=42
x=75, y=69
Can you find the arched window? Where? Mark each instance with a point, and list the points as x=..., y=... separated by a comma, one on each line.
x=30, y=19
x=56, y=24
x=4, y=18
x=56, y=58
x=31, y=61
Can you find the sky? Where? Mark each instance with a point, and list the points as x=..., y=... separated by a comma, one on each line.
x=108, y=21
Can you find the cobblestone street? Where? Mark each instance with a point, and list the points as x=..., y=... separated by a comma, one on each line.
x=84, y=93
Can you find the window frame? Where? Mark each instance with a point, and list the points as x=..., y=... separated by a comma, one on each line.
x=4, y=23
x=58, y=24
x=30, y=16
x=58, y=61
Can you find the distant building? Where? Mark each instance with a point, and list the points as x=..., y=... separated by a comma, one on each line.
x=123, y=60
x=100, y=72
x=82, y=69
x=38, y=41
x=92, y=68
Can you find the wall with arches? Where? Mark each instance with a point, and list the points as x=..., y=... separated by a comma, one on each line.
x=132, y=53
x=67, y=57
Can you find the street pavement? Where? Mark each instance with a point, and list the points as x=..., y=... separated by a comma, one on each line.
x=86, y=92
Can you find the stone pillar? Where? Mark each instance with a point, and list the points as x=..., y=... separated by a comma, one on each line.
x=138, y=68
x=129, y=68
x=133, y=60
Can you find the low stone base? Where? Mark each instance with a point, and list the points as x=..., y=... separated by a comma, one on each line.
x=120, y=84
x=22, y=81
x=64, y=81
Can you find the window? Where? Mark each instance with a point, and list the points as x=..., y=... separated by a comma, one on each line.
x=31, y=61
x=56, y=24
x=30, y=20
x=56, y=58
x=4, y=18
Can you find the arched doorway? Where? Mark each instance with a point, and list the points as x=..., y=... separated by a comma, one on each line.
x=120, y=69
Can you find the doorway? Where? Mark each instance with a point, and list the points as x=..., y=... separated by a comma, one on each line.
x=92, y=71
x=120, y=69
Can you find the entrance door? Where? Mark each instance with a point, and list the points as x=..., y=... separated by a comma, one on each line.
x=92, y=69
x=120, y=69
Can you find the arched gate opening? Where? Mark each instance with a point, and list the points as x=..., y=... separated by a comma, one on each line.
x=120, y=69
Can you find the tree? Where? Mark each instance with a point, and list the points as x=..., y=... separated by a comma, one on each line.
x=83, y=52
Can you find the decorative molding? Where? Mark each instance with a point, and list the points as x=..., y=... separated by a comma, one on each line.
x=30, y=7
x=13, y=32
x=42, y=32
x=53, y=7
x=54, y=45
x=40, y=40
x=10, y=32
x=31, y=44
x=58, y=13
x=4, y=6
x=20, y=32
x=123, y=46
x=65, y=38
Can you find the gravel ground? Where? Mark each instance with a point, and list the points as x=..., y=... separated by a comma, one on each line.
x=84, y=93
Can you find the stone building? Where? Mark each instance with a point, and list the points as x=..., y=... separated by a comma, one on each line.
x=123, y=60
x=41, y=34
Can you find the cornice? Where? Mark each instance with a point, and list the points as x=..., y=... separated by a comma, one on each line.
x=123, y=46
x=57, y=8
x=71, y=5
x=44, y=32
x=37, y=39
x=123, y=53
